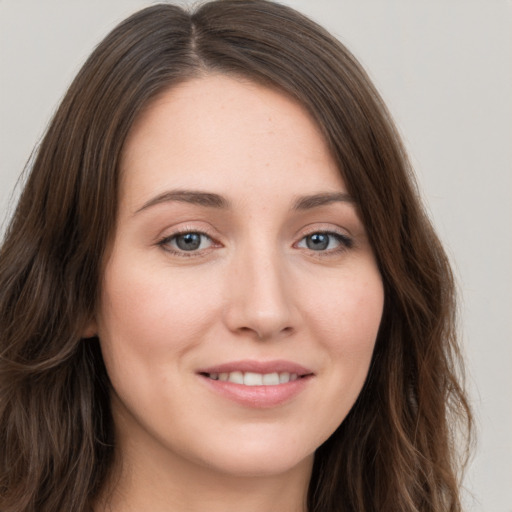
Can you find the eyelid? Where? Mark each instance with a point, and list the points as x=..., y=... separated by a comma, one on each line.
x=322, y=227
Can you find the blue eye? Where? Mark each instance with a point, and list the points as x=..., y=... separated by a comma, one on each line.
x=325, y=241
x=188, y=242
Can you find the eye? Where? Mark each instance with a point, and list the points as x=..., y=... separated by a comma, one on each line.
x=189, y=241
x=325, y=241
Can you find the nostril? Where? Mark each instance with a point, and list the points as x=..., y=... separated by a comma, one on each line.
x=252, y=315
x=265, y=333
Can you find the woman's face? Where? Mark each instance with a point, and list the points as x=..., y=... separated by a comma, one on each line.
x=241, y=299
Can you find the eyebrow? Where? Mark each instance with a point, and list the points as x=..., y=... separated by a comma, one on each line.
x=207, y=199
x=211, y=200
x=316, y=200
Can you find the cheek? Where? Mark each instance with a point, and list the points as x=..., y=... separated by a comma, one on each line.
x=348, y=311
x=148, y=313
x=358, y=325
x=345, y=322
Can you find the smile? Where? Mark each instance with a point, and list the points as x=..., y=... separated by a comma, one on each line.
x=253, y=378
x=257, y=384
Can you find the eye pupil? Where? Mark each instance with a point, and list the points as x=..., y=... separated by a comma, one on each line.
x=317, y=241
x=188, y=241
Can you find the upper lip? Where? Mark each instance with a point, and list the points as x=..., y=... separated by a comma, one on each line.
x=246, y=365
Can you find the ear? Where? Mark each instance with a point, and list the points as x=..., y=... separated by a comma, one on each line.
x=91, y=329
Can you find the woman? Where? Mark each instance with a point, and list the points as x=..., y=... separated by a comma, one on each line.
x=219, y=288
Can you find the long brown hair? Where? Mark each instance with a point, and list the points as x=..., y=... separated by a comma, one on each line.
x=395, y=451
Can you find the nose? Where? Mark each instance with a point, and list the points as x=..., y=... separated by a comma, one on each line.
x=259, y=296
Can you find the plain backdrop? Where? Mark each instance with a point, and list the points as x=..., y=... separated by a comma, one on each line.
x=445, y=70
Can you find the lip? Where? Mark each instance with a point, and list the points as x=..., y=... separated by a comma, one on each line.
x=259, y=397
x=246, y=365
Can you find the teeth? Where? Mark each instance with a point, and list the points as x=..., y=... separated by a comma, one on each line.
x=271, y=379
x=236, y=377
x=284, y=377
x=255, y=379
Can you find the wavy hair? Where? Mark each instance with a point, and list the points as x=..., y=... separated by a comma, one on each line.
x=397, y=448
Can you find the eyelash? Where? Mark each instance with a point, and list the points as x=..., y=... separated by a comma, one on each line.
x=344, y=241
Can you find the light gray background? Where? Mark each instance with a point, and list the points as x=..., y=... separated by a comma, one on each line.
x=445, y=70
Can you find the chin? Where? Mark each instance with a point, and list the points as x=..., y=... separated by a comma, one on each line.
x=260, y=453
x=266, y=463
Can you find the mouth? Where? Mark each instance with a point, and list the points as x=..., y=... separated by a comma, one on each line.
x=259, y=384
x=257, y=373
x=254, y=378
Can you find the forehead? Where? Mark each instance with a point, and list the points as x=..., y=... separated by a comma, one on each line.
x=229, y=135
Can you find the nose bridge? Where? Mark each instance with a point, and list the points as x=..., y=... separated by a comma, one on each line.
x=259, y=298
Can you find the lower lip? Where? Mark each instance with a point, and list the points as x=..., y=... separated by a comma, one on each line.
x=258, y=396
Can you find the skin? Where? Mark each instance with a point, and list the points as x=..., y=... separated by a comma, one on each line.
x=253, y=290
